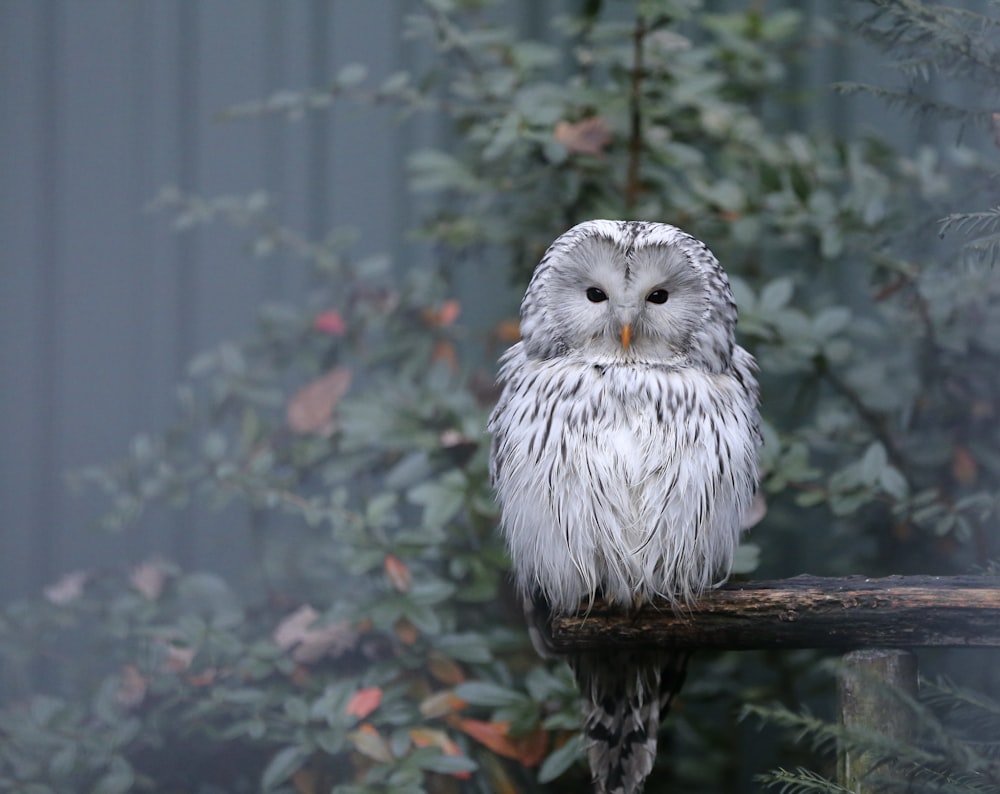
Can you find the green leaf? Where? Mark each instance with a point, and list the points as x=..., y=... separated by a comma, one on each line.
x=282, y=766
x=482, y=693
x=775, y=295
x=117, y=780
x=446, y=764
x=872, y=463
x=562, y=759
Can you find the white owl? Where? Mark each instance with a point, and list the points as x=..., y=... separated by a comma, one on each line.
x=624, y=455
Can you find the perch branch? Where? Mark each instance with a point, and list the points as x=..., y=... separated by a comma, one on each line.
x=802, y=612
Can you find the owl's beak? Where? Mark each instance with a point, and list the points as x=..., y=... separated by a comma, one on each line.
x=626, y=335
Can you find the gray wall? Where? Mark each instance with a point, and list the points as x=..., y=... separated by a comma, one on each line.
x=102, y=103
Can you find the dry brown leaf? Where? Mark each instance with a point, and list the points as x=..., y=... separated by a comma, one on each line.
x=311, y=409
x=148, y=578
x=408, y=633
x=132, y=687
x=308, y=643
x=306, y=781
x=964, y=468
x=66, y=589
x=508, y=331
x=204, y=678
x=589, y=136
x=178, y=659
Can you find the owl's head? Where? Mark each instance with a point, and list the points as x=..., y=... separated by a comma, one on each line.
x=630, y=291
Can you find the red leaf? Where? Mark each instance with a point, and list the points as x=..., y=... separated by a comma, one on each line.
x=364, y=702
x=330, y=322
x=443, y=315
x=397, y=573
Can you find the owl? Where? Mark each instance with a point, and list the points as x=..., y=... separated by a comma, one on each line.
x=624, y=456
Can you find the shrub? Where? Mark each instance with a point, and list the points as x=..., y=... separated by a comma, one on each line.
x=378, y=646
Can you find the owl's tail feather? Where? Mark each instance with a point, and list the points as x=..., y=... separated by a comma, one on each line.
x=625, y=696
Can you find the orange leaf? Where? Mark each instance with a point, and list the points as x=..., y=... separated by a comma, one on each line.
x=444, y=350
x=408, y=633
x=532, y=747
x=492, y=734
x=441, y=703
x=431, y=737
x=508, y=331
x=364, y=702
x=206, y=678
x=445, y=670
x=589, y=136
x=311, y=409
x=330, y=322
x=369, y=742
x=964, y=468
x=132, y=687
x=529, y=749
x=397, y=573
x=306, y=781
x=445, y=314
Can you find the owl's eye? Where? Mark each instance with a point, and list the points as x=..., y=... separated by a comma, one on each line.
x=595, y=295
x=658, y=296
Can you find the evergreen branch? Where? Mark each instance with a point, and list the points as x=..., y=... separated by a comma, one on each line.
x=961, y=40
x=920, y=106
x=972, y=222
x=800, y=781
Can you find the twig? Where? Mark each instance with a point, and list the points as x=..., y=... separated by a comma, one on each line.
x=632, y=183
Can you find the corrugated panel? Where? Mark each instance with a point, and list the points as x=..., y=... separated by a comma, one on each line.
x=101, y=304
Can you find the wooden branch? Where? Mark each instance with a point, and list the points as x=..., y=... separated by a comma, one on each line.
x=802, y=612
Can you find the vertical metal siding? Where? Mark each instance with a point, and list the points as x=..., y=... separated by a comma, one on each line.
x=101, y=304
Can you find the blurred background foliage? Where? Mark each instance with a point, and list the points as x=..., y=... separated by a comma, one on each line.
x=374, y=644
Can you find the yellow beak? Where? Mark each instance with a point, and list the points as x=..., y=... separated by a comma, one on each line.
x=626, y=335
